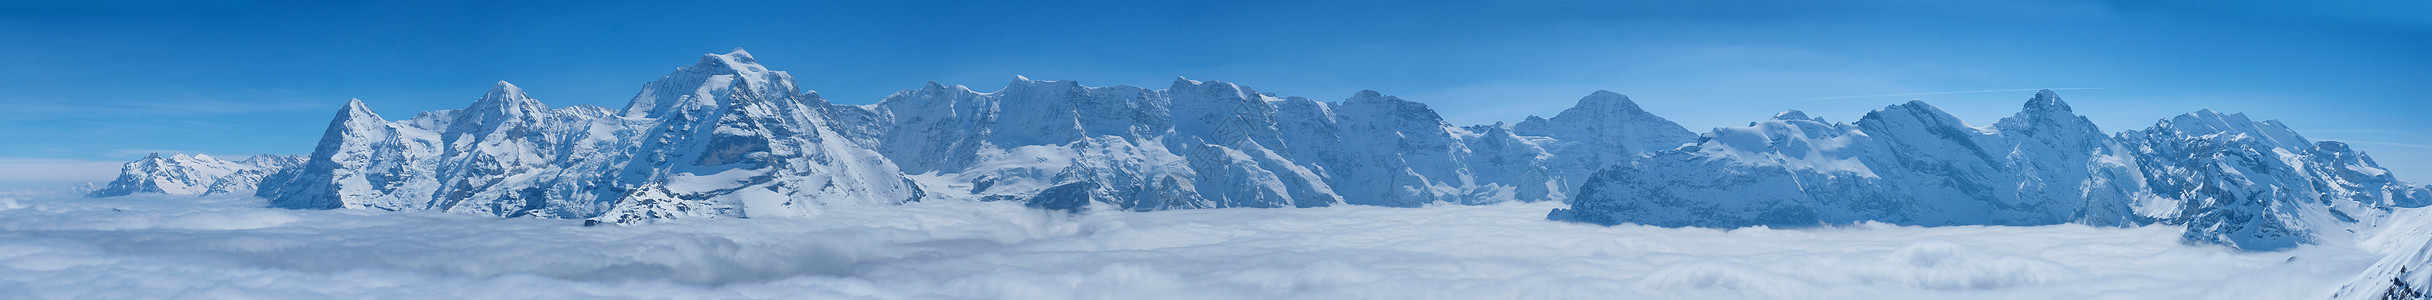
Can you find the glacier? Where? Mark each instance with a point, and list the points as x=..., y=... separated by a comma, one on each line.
x=729, y=138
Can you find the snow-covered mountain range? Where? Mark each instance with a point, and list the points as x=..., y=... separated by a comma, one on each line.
x=729, y=138
x=197, y=174
x=2230, y=180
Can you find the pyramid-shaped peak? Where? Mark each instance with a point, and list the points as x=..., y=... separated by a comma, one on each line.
x=1019, y=77
x=503, y=85
x=356, y=110
x=2046, y=100
x=503, y=91
x=355, y=105
x=1606, y=101
x=504, y=98
x=1367, y=94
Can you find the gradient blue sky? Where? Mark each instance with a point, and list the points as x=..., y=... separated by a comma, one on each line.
x=87, y=84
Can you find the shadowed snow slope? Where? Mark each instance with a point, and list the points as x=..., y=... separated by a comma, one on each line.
x=57, y=246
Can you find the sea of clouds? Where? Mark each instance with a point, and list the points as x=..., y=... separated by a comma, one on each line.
x=55, y=246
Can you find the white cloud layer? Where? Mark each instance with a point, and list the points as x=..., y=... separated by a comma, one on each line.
x=154, y=247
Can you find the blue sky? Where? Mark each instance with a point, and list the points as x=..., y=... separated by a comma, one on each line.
x=89, y=84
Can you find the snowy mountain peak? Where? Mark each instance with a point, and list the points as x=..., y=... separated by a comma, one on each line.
x=1214, y=88
x=502, y=90
x=1603, y=100
x=504, y=97
x=2046, y=100
x=1913, y=112
x=356, y=110
x=2209, y=122
x=1020, y=78
x=1367, y=94
x=2047, y=113
x=1795, y=115
x=717, y=79
x=737, y=61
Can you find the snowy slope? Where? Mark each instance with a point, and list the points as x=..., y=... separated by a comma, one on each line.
x=2406, y=245
x=181, y=174
x=2260, y=185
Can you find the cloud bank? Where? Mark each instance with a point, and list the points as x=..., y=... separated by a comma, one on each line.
x=54, y=247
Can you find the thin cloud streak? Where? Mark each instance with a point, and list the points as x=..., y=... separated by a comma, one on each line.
x=2417, y=146
x=1929, y=94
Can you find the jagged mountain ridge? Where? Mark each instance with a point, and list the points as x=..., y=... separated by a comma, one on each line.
x=727, y=137
x=2230, y=180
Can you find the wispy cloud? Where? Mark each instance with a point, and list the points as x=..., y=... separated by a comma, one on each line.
x=1928, y=94
x=2362, y=131
x=2384, y=133
x=52, y=108
x=138, y=152
x=2417, y=146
